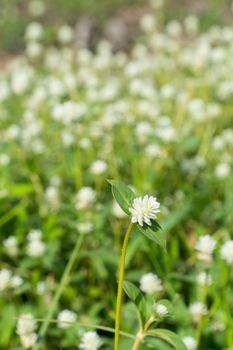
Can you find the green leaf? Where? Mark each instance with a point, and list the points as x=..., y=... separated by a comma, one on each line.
x=154, y=233
x=122, y=194
x=169, y=337
x=131, y=290
x=137, y=297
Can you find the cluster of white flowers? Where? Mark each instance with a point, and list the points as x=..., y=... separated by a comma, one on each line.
x=36, y=247
x=66, y=318
x=8, y=280
x=90, y=341
x=150, y=283
x=26, y=327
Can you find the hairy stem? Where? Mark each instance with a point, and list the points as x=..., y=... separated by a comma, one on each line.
x=142, y=333
x=120, y=284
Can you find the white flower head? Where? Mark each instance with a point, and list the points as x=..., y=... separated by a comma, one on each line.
x=65, y=318
x=150, y=283
x=204, y=279
x=205, y=247
x=226, y=252
x=85, y=198
x=144, y=210
x=190, y=342
x=28, y=340
x=90, y=341
x=161, y=310
x=99, y=167
x=5, y=279
x=197, y=310
x=26, y=324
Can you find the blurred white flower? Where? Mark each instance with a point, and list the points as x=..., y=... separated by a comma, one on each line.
x=36, y=247
x=150, y=283
x=26, y=324
x=11, y=245
x=205, y=247
x=34, y=31
x=223, y=170
x=5, y=279
x=161, y=310
x=99, y=167
x=198, y=310
x=90, y=341
x=28, y=340
x=16, y=281
x=65, y=34
x=85, y=198
x=85, y=227
x=66, y=318
x=190, y=342
x=226, y=252
x=144, y=209
x=204, y=279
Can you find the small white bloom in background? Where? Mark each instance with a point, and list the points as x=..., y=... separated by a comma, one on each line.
x=226, y=252
x=197, y=310
x=190, y=342
x=34, y=31
x=223, y=170
x=11, y=245
x=36, y=247
x=4, y=159
x=28, y=340
x=205, y=247
x=26, y=324
x=66, y=318
x=117, y=211
x=150, y=283
x=16, y=281
x=33, y=49
x=5, y=279
x=144, y=209
x=204, y=279
x=41, y=288
x=85, y=198
x=148, y=23
x=65, y=34
x=90, y=341
x=52, y=197
x=161, y=310
x=99, y=167
x=85, y=227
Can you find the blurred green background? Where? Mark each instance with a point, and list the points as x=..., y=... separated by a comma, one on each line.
x=16, y=14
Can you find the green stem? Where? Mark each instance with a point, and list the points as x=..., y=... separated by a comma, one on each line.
x=86, y=325
x=201, y=322
x=120, y=284
x=142, y=333
x=63, y=283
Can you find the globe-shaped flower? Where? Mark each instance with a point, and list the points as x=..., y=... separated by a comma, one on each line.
x=144, y=210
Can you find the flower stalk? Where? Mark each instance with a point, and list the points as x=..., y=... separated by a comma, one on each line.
x=120, y=285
